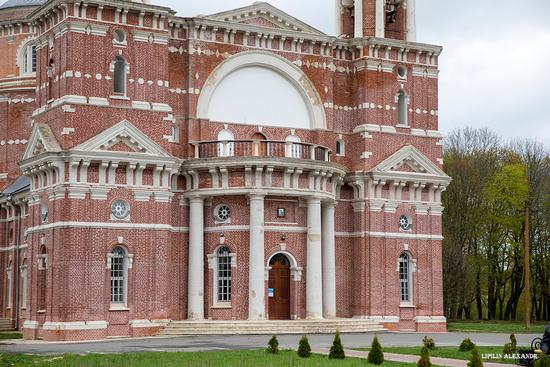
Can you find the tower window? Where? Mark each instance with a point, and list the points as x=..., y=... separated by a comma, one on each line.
x=294, y=147
x=405, y=278
x=340, y=148
x=119, y=37
x=224, y=275
x=402, y=102
x=226, y=145
x=119, y=276
x=120, y=76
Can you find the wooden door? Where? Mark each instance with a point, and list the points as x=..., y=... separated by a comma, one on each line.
x=279, y=288
x=259, y=145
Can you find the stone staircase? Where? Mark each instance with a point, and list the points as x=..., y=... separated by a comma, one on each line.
x=269, y=327
x=5, y=325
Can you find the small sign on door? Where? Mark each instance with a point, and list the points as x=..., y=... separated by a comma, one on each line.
x=270, y=292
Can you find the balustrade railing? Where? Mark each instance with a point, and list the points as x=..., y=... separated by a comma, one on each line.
x=261, y=148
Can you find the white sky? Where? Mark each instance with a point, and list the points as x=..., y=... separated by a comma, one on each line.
x=495, y=68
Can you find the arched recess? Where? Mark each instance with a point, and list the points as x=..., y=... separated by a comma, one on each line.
x=259, y=61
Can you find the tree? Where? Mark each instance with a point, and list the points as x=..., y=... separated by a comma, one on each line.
x=424, y=360
x=475, y=358
x=466, y=345
x=273, y=345
x=336, y=350
x=304, y=349
x=376, y=356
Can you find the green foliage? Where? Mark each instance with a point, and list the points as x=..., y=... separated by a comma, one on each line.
x=376, y=356
x=511, y=347
x=304, y=349
x=543, y=362
x=466, y=345
x=424, y=360
x=337, y=349
x=428, y=343
x=273, y=345
x=475, y=358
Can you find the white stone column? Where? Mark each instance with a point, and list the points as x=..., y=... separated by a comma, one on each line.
x=314, y=281
x=195, y=281
x=338, y=17
x=329, y=261
x=256, y=267
x=411, y=20
x=380, y=19
x=358, y=16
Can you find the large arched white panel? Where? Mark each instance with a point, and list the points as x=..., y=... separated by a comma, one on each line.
x=261, y=88
x=260, y=96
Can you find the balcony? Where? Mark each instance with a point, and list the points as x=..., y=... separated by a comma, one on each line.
x=261, y=148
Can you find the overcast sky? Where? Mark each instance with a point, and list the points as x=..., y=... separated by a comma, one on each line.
x=495, y=67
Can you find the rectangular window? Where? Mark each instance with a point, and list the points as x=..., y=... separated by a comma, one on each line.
x=10, y=287
x=224, y=277
x=33, y=59
x=117, y=278
x=404, y=279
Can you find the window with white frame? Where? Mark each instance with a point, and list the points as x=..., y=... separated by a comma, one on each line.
x=119, y=276
x=402, y=106
x=340, y=147
x=119, y=78
x=294, y=146
x=24, y=277
x=223, y=274
x=405, y=278
x=10, y=284
x=226, y=145
x=26, y=58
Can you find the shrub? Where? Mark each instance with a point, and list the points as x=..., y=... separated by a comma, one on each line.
x=475, y=358
x=543, y=362
x=337, y=350
x=424, y=360
x=512, y=347
x=376, y=356
x=466, y=345
x=304, y=349
x=273, y=345
x=428, y=343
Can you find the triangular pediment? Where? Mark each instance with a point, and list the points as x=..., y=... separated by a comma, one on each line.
x=409, y=160
x=42, y=140
x=264, y=15
x=122, y=138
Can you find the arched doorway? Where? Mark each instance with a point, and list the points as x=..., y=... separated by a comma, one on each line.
x=259, y=145
x=279, y=288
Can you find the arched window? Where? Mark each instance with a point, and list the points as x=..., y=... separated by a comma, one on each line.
x=294, y=148
x=405, y=278
x=402, y=114
x=226, y=145
x=223, y=275
x=41, y=278
x=119, y=276
x=29, y=59
x=10, y=284
x=24, y=277
x=120, y=76
x=340, y=147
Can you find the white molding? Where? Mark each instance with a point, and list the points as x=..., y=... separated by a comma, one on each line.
x=148, y=323
x=30, y=324
x=399, y=235
x=430, y=319
x=381, y=319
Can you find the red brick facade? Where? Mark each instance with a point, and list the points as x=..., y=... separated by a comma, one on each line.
x=153, y=145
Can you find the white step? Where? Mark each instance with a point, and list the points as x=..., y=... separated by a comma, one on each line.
x=231, y=327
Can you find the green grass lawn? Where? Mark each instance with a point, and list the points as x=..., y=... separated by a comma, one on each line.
x=10, y=335
x=452, y=352
x=244, y=358
x=507, y=327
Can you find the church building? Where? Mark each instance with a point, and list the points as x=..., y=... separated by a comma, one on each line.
x=240, y=169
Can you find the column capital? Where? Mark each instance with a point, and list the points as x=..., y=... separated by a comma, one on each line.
x=313, y=199
x=195, y=198
x=329, y=203
x=257, y=195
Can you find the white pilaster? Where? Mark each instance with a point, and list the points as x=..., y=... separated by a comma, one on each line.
x=256, y=277
x=380, y=19
x=358, y=18
x=314, y=287
x=329, y=261
x=411, y=20
x=195, y=283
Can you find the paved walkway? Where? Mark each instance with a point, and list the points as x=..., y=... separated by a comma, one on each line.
x=411, y=359
x=236, y=342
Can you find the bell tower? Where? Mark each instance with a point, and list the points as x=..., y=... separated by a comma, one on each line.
x=395, y=19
